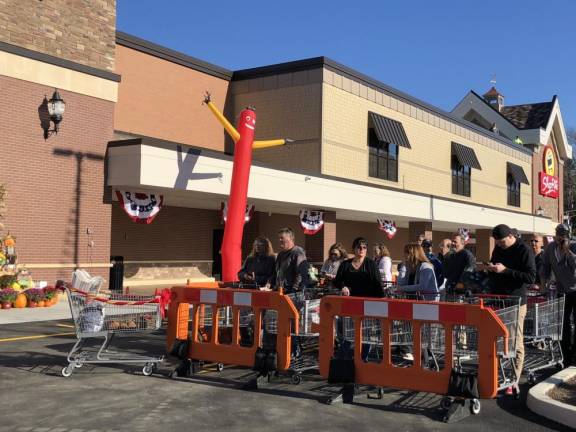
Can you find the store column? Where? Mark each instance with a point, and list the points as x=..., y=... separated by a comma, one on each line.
x=484, y=244
x=317, y=245
x=417, y=228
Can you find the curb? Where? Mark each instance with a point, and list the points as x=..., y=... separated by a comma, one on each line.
x=547, y=407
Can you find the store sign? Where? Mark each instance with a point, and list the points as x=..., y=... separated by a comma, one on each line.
x=549, y=181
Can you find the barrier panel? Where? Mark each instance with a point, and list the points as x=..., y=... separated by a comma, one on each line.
x=224, y=306
x=416, y=314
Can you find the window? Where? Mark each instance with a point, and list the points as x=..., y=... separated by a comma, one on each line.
x=383, y=158
x=460, y=177
x=513, y=189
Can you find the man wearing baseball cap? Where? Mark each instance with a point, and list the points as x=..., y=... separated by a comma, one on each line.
x=559, y=260
x=511, y=270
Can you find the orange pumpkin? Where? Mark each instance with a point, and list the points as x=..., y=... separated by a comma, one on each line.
x=21, y=301
x=41, y=303
x=9, y=242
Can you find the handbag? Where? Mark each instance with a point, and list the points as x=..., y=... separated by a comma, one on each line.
x=463, y=384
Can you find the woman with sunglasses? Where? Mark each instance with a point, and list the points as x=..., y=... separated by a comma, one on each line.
x=330, y=267
x=359, y=276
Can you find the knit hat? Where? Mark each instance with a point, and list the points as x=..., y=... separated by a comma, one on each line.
x=501, y=231
x=562, y=230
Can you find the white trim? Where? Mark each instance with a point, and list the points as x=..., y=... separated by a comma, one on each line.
x=425, y=312
x=208, y=296
x=242, y=299
x=376, y=309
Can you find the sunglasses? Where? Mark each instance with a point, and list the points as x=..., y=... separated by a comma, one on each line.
x=362, y=247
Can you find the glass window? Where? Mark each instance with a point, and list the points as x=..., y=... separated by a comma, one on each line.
x=460, y=178
x=513, y=189
x=382, y=159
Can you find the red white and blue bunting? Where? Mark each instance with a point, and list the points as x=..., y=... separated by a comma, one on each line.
x=465, y=233
x=311, y=221
x=140, y=207
x=247, y=216
x=388, y=226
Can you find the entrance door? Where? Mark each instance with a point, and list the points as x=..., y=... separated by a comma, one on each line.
x=217, y=236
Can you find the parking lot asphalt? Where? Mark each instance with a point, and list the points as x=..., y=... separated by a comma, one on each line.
x=35, y=397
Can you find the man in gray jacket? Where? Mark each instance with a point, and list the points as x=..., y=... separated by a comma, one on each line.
x=559, y=260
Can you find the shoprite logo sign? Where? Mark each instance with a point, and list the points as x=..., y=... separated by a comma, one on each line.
x=549, y=181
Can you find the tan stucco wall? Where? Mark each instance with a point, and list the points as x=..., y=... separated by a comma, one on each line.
x=426, y=167
x=161, y=99
x=287, y=106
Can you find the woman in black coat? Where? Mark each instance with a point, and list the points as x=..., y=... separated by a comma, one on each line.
x=359, y=276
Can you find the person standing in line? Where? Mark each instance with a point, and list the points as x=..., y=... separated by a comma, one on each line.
x=336, y=255
x=384, y=263
x=559, y=261
x=258, y=267
x=420, y=277
x=444, y=248
x=511, y=270
x=359, y=276
x=536, y=243
x=456, y=263
x=427, y=247
x=291, y=266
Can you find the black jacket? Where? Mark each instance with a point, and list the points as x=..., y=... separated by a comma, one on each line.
x=455, y=264
x=520, y=270
x=291, y=270
x=364, y=282
x=261, y=266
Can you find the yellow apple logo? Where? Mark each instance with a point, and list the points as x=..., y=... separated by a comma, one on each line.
x=549, y=166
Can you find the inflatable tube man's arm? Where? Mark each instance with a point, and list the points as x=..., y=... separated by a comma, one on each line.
x=220, y=117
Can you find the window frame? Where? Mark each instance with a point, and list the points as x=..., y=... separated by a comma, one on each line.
x=513, y=188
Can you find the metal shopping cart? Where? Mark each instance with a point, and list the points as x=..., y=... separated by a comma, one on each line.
x=108, y=316
x=305, y=343
x=542, y=334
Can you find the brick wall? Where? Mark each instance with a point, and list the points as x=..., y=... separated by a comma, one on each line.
x=45, y=212
x=177, y=233
x=81, y=31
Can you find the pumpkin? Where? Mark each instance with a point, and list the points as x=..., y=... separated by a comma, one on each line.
x=21, y=301
x=41, y=303
x=9, y=241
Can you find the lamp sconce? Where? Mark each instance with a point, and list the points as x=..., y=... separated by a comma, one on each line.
x=539, y=211
x=56, y=107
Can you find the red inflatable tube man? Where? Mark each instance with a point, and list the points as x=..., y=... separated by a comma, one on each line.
x=233, y=230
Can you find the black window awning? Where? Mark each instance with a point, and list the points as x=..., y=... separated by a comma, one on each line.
x=388, y=130
x=465, y=155
x=517, y=172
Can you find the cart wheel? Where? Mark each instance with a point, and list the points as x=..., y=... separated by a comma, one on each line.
x=220, y=367
x=67, y=371
x=148, y=369
x=516, y=392
x=560, y=366
x=531, y=379
x=475, y=406
x=446, y=403
x=296, y=378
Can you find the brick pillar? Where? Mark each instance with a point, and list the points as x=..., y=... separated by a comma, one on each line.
x=484, y=244
x=417, y=228
x=317, y=245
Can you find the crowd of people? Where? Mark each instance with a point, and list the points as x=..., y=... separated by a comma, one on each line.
x=514, y=268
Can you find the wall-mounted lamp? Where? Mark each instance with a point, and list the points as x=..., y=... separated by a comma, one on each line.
x=539, y=211
x=56, y=107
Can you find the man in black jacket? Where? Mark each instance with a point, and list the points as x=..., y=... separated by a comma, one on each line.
x=456, y=263
x=512, y=269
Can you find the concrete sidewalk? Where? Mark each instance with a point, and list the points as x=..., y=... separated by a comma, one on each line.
x=59, y=311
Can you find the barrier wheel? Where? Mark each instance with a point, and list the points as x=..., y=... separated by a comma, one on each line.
x=296, y=378
x=148, y=369
x=446, y=403
x=220, y=367
x=475, y=406
x=67, y=371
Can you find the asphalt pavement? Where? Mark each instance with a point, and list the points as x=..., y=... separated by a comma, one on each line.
x=35, y=397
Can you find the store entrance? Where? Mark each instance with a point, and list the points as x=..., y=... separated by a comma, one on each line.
x=217, y=236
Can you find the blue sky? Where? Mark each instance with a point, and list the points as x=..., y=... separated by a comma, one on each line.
x=436, y=50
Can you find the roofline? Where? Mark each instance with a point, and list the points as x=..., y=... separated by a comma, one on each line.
x=325, y=62
x=57, y=61
x=495, y=110
x=170, y=55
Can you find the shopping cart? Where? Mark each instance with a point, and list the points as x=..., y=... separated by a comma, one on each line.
x=82, y=281
x=304, y=343
x=542, y=334
x=106, y=317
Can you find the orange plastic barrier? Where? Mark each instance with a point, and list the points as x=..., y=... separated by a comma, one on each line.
x=211, y=350
x=414, y=377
